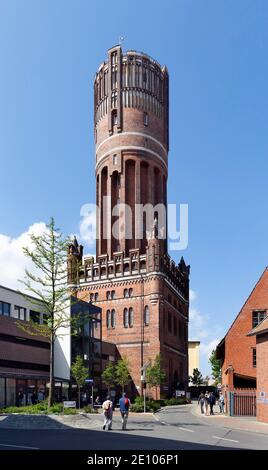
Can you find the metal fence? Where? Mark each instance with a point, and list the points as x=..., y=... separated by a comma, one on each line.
x=242, y=402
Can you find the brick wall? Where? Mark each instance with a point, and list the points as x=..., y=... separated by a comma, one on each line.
x=239, y=346
x=262, y=377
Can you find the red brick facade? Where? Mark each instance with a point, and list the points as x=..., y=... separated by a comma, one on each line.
x=237, y=350
x=262, y=377
x=143, y=294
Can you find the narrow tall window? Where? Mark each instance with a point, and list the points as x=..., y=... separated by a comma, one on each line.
x=169, y=322
x=146, y=316
x=126, y=318
x=113, y=319
x=114, y=118
x=130, y=292
x=145, y=119
x=108, y=295
x=126, y=293
x=115, y=159
x=108, y=319
x=96, y=296
x=175, y=326
x=254, y=357
x=131, y=317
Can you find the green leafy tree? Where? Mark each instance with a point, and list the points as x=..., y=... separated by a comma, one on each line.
x=215, y=367
x=109, y=375
x=48, y=284
x=122, y=373
x=80, y=373
x=155, y=375
x=196, y=378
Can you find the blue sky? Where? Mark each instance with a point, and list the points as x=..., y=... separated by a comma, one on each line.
x=216, y=53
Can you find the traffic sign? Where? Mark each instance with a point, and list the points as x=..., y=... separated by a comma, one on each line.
x=89, y=381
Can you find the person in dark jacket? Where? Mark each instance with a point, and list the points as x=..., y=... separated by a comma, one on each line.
x=212, y=401
x=124, y=404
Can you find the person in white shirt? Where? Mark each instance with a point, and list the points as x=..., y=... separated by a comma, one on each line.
x=108, y=413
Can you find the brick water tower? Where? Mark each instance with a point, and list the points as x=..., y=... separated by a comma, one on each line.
x=143, y=294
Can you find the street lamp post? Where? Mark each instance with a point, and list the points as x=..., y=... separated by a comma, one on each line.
x=142, y=340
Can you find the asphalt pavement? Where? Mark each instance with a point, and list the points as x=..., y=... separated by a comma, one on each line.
x=173, y=428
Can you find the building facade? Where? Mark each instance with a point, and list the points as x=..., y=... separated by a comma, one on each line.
x=193, y=356
x=143, y=294
x=237, y=350
x=260, y=332
x=24, y=359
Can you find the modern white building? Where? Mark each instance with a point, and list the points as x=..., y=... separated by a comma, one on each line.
x=24, y=359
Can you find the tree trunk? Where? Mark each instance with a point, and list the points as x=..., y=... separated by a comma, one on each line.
x=51, y=373
x=79, y=397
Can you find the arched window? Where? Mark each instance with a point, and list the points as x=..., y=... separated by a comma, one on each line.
x=131, y=317
x=113, y=318
x=125, y=318
x=96, y=296
x=113, y=294
x=91, y=297
x=108, y=295
x=146, y=316
x=130, y=292
x=126, y=293
x=108, y=319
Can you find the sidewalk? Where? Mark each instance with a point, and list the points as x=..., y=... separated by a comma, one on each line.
x=240, y=423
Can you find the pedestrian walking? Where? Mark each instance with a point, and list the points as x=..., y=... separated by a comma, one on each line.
x=221, y=402
x=201, y=400
x=206, y=402
x=124, y=404
x=108, y=413
x=212, y=401
x=34, y=398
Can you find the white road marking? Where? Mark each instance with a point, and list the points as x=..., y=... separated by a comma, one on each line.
x=184, y=429
x=163, y=422
x=21, y=447
x=224, y=439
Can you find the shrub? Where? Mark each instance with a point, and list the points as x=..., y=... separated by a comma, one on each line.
x=138, y=406
x=70, y=411
x=175, y=401
x=89, y=409
x=56, y=408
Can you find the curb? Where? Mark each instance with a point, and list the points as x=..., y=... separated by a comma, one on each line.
x=225, y=426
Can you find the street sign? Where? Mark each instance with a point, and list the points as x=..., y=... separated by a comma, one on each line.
x=90, y=381
x=69, y=404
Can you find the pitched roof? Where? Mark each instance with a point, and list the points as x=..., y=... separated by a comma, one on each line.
x=265, y=272
x=262, y=327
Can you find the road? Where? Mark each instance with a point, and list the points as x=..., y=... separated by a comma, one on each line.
x=173, y=428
